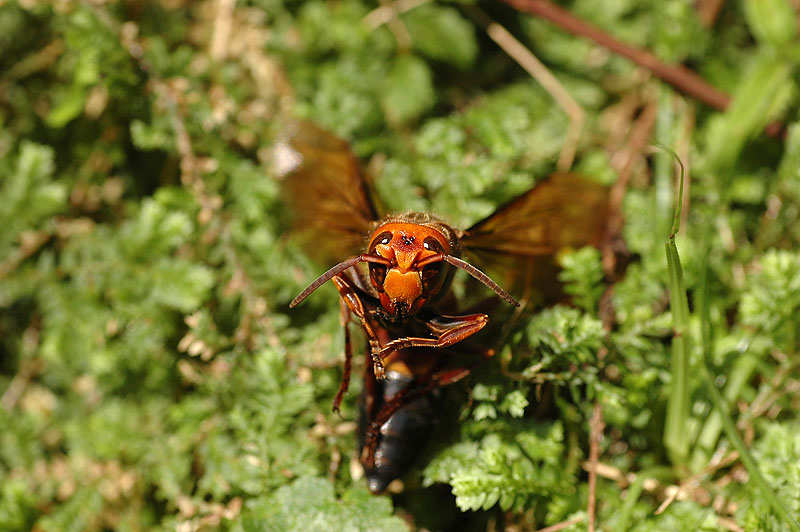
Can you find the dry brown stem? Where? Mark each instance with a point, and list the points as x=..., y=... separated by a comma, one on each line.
x=596, y=426
x=680, y=77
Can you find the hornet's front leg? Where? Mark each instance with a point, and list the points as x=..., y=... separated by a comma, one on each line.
x=344, y=319
x=352, y=302
x=448, y=330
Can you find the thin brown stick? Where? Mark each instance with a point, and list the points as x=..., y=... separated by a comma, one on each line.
x=760, y=407
x=693, y=482
x=678, y=76
x=595, y=433
x=189, y=162
x=616, y=122
x=389, y=13
x=386, y=12
x=636, y=142
x=30, y=243
x=730, y=524
x=708, y=10
x=223, y=24
x=562, y=525
x=27, y=371
x=546, y=79
x=533, y=66
x=36, y=61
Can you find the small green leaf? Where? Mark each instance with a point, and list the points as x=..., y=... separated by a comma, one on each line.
x=75, y=514
x=571, y=336
x=29, y=192
x=484, y=411
x=583, y=275
x=408, y=89
x=17, y=505
x=510, y=471
x=157, y=135
x=309, y=505
x=180, y=285
x=763, y=93
x=68, y=103
x=443, y=34
x=771, y=21
x=543, y=443
x=514, y=403
x=772, y=299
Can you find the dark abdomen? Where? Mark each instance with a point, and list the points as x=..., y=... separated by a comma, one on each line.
x=402, y=438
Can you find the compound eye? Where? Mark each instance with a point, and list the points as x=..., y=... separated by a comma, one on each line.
x=431, y=277
x=432, y=273
x=383, y=238
x=377, y=274
x=431, y=244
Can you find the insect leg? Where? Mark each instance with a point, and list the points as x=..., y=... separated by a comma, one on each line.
x=449, y=330
x=408, y=395
x=355, y=305
x=373, y=430
x=348, y=355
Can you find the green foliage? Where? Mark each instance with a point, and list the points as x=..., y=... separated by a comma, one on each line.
x=488, y=403
x=770, y=21
x=152, y=377
x=443, y=34
x=675, y=431
x=583, y=276
x=682, y=516
x=777, y=454
x=516, y=472
x=409, y=89
x=310, y=504
x=565, y=336
x=29, y=195
x=771, y=301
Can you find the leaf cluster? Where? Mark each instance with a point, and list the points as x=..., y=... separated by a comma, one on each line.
x=153, y=378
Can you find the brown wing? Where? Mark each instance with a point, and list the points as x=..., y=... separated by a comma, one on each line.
x=519, y=241
x=329, y=199
x=563, y=211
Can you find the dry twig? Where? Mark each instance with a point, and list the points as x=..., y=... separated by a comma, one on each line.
x=533, y=66
x=223, y=24
x=678, y=76
x=388, y=11
x=595, y=433
x=562, y=525
x=693, y=482
x=636, y=142
x=27, y=371
x=730, y=524
x=708, y=10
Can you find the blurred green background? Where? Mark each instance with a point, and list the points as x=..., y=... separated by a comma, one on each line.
x=152, y=377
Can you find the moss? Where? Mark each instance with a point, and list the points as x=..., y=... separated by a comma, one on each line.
x=152, y=376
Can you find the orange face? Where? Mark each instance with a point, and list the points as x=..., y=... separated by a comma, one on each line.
x=410, y=281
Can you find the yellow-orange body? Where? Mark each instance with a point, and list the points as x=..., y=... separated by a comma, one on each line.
x=410, y=280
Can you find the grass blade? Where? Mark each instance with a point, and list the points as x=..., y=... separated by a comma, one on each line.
x=728, y=425
x=676, y=432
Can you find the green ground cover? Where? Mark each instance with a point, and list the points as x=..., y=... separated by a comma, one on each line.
x=153, y=378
